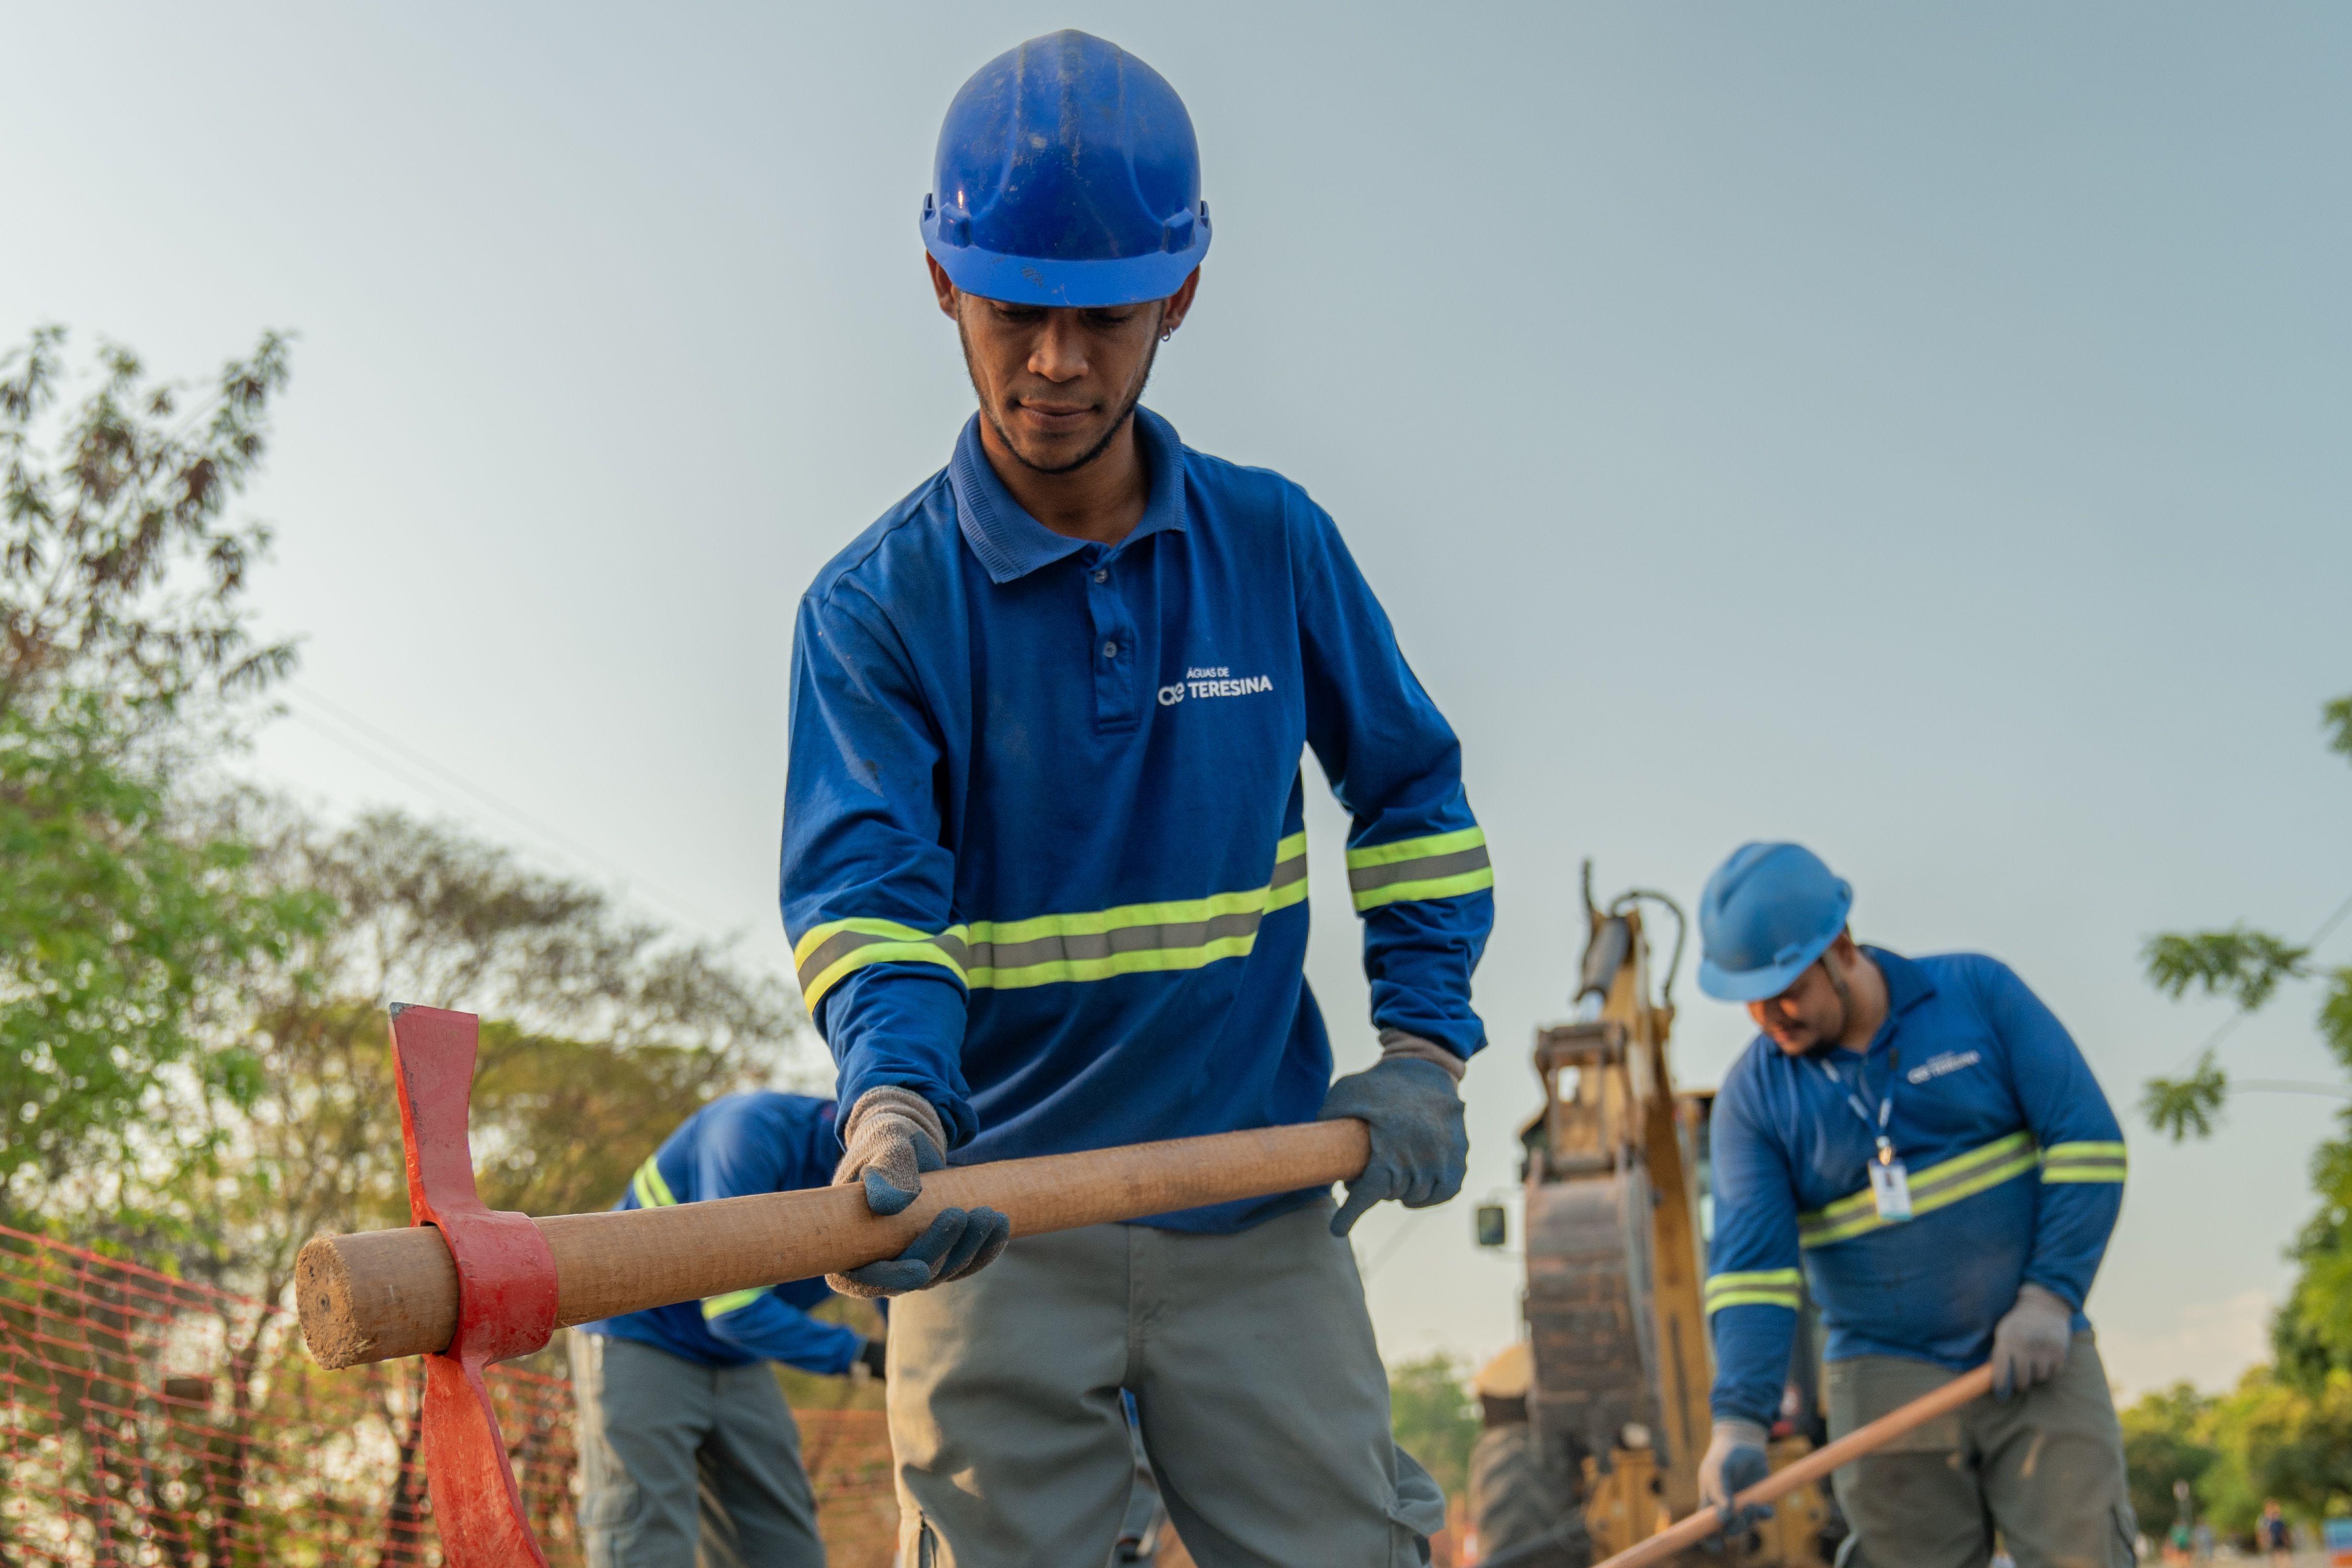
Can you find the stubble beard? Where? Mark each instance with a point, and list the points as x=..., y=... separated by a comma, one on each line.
x=1110, y=431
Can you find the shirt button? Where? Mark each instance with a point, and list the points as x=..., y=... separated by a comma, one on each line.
x=1110, y=650
x=1102, y=577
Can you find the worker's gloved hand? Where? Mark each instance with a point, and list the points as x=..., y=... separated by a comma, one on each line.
x=1420, y=1151
x=1733, y=1462
x=875, y=1354
x=889, y=1139
x=2030, y=1342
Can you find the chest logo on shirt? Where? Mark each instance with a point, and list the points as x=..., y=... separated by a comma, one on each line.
x=1212, y=681
x=1948, y=1062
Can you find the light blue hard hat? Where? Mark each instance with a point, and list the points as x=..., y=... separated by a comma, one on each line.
x=1067, y=175
x=1767, y=915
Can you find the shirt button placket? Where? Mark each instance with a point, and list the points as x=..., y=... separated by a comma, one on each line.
x=1114, y=705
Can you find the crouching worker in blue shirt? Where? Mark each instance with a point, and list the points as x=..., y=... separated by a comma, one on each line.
x=1922, y=1136
x=686, y=1450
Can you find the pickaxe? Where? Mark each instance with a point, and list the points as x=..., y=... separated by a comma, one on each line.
x=465, y=1286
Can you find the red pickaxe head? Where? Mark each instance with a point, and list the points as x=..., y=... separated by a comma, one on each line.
x=506, y=1293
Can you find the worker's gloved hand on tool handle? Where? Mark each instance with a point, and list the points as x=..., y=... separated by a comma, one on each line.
x=2030, y=1342
x=1420, y=1151
x=1734, y=1461
x=890, y=1137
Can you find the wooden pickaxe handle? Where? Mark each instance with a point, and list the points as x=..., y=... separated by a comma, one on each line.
x=380, y=1294
x=1813, y=1467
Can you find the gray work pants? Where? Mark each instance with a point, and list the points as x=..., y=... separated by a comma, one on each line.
x=1263, y=1402
x=687, y=1466
x=2044, y=1468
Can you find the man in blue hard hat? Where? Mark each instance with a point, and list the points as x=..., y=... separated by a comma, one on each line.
x=687, y=1452
x=1044, y=874
x=1922, y=1135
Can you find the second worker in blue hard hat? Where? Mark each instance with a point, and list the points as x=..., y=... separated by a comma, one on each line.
x=1045, y=873
x=1918, y=1141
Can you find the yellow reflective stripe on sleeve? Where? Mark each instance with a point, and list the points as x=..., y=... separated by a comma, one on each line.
x=1135, y=939
x=1443, y=865
x=1755, y=1288
x=715, y=1306
x=1937, y=1186
x=651, y=1190
x=827, y=953
x=2084, y=1162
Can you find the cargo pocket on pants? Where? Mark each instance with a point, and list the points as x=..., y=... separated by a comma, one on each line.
x=1417, y=1511
x=604, y=1513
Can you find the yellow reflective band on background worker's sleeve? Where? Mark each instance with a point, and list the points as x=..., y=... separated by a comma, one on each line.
x=1443, y=865
x=1937, y=1187
x=651, y=1190
x=1755, y=1288
x=1135, y=939
x=827, y=952
x=2083, y=1163
x=713, y=1306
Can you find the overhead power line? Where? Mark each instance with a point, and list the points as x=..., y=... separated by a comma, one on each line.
x=389, y=753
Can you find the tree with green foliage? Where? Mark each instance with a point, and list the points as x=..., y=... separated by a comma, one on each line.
x=2312, y=1330
x=124, y=654
x=1435, y=1418
x=2270, y=1437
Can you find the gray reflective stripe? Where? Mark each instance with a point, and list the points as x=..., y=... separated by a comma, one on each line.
x=1428, y=868
x=1289, y=871
x=1104, y=944
x=840, y=945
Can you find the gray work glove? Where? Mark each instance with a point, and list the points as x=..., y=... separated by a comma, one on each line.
x=1733, y=1462
x=1420, y=1151
x=2030, y=1342
x=890, y=1137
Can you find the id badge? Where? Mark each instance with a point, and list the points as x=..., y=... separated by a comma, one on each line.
x=1890, y=1188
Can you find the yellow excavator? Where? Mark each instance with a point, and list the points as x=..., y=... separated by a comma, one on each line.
x=1594, y=1423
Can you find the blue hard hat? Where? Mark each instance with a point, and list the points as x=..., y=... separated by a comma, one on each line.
x=1067, y=175
x=1766, y=913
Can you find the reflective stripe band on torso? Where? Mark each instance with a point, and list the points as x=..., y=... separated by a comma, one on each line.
x=1183, y=934
x=1939, y=1186
x=1443, y=865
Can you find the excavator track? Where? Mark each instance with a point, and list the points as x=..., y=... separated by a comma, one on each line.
x=1588, y=1310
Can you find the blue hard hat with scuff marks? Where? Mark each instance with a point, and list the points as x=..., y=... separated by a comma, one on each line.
x=1767, y=915
x=1067, y=175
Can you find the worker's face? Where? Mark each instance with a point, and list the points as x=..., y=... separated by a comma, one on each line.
x=1057, y=385
x=1810, y=1014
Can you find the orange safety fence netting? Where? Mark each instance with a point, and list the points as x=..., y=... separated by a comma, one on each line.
x=146, y=1420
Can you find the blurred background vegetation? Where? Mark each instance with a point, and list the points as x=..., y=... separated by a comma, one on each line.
x=192, y=972
x=2285, y=1431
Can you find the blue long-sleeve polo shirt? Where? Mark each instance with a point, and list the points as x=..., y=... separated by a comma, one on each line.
x=1043, y=855
x=2016, y=1170
x=738, y=1145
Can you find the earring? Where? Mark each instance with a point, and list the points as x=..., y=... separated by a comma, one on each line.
x=1167, y=334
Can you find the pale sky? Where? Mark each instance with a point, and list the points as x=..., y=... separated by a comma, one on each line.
x=1918, y=431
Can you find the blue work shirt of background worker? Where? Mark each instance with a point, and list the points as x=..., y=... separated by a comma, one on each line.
x=1978, y=1068
x=736, y=1146
x=1044, y=849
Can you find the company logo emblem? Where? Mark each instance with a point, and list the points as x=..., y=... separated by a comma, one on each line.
x=1937, y=1066
x=1213, y=681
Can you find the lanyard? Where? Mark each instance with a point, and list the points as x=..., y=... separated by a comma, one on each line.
x=1877, y=1126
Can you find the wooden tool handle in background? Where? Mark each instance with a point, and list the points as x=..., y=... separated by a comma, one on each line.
x=387, y=1294
x=1815, y=1466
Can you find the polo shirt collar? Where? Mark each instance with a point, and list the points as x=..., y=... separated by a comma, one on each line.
x=1011, y=544
x=1907, y=985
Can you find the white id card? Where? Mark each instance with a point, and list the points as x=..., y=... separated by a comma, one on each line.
x=1890, y=1187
